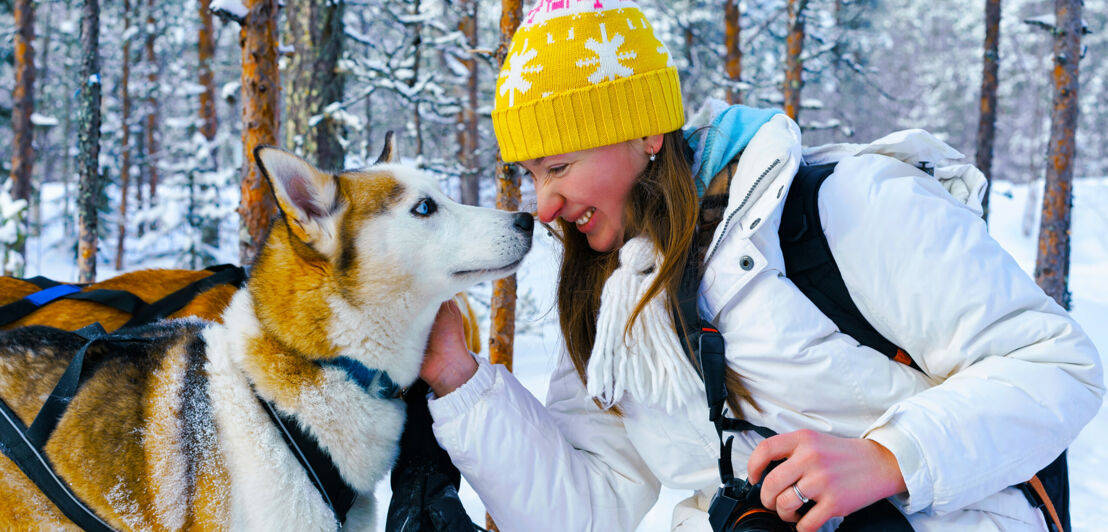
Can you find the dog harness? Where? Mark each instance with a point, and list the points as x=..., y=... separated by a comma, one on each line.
x=141, y=312
x=24, y=445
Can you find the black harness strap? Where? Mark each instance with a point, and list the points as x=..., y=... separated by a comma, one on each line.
x=317, y=464
x=224, y=274
x=141, y=312
x=24, y=445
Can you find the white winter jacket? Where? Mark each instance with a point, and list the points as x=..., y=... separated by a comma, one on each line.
x=1009, y=378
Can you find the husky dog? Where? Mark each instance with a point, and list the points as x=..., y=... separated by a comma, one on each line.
x=172, y=434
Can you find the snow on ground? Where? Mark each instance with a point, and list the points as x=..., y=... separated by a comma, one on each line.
x=536, y=349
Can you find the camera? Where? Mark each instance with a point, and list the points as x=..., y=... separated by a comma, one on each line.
x=737, y=506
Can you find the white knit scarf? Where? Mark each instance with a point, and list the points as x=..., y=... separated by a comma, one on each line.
x=648, y=364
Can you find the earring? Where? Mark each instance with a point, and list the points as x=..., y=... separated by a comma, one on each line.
x=652, y=155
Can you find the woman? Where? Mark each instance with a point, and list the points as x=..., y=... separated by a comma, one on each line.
x=589, y=104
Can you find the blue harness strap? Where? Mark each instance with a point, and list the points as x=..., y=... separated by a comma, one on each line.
x=375, y=382
x=47, y=295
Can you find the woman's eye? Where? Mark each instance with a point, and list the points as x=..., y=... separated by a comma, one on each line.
x=555, y=170
x=425, y=207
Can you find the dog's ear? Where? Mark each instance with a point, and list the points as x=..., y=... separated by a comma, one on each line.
x=388, y=153
x=307, y=197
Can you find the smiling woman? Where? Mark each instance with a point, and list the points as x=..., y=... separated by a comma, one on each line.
x=589, y=103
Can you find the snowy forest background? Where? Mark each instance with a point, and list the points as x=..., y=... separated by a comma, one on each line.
x=870, y=67
x=350, y=70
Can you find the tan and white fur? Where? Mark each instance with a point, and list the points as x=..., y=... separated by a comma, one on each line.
x=170, y=436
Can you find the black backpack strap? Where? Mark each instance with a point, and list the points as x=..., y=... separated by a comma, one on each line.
x=224, y=274
x=317, y=464
x=811, y=267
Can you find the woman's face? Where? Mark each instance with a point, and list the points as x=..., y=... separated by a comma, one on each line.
x=589, y=188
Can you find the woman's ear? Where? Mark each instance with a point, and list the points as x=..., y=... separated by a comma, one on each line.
x=653, y=143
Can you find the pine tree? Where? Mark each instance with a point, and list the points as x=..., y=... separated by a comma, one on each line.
x=794, y=66
x=468, y=120
x=88, y=153
x=733, y=45
x=152, y=90
x=209, y=121
x=503, y=304
x=23, y=105
x=125, y=141
x=986, y=126
x=1053, y=262
x=314, y=88
x=261, y=86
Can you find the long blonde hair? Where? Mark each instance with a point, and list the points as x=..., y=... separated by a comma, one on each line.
x=662, y=206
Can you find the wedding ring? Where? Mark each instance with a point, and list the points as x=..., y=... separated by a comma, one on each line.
x=800, y=495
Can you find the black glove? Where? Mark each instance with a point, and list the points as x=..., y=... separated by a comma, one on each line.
x=424, y=481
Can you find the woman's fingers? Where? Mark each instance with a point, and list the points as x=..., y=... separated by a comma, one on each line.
x=840, y=475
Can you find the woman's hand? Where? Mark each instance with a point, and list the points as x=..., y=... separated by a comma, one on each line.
x=840, y=475
x=447, y=363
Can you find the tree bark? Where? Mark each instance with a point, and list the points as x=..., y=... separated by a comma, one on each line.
x=315, y=30
x=794, y=66
x=205, y=51
x=125, y=119
x=1053, y=261
x=503, y=304
x=417, y=45
x=261, y=88
x=23, y=104
x=209, y=120
x=468, y=132
x=986, y=126
x=151, y=105
x=88, y=142
x=733, y=43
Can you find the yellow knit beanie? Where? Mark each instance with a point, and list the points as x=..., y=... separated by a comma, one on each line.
x=582, y=74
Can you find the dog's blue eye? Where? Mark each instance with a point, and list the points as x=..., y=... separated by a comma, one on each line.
x=425, y=207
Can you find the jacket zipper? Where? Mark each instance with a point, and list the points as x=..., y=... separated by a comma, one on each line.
x=746, y=198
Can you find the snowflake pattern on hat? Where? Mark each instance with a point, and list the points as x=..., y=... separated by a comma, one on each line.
x=517, y=67
x=607, y=58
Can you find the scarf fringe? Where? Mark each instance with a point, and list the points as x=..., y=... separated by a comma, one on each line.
x=648, y=364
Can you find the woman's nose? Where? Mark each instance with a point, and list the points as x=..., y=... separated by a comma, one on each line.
x=550, y=203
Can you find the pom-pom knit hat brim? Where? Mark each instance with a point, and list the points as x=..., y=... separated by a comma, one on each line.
x=582, y=74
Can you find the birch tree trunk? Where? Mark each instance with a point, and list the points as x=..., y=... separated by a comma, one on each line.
x=23, y=104
x=88, y=142
x=1053, y=262
x=986, y=126
x=125, y=119
x=503, y=304
x=261, y=90
x=733, y=43
x=794, y=66
x=315, y=31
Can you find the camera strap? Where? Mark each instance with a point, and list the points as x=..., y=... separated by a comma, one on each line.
x=705, y=348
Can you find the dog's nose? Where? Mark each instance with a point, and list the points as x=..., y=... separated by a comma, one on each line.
x=524, y=222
